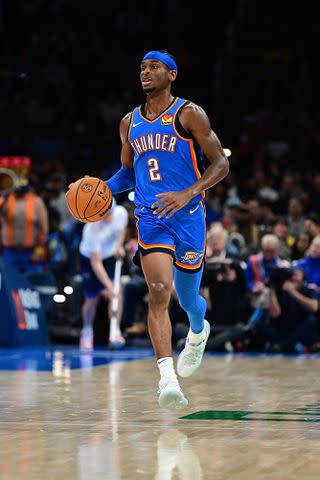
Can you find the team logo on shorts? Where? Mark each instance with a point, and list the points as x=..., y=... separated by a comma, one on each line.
x=86, y=187
x=191, y=257
x=167, y=119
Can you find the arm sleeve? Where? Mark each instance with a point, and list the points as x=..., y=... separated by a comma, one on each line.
x=121, y=181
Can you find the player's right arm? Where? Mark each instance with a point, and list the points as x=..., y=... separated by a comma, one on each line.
x=124, y=179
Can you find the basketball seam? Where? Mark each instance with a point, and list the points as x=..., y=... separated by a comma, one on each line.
x=84, y=212
x=98, y=212
x=100, y=208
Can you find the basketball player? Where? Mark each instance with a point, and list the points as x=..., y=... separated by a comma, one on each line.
x=161, y=155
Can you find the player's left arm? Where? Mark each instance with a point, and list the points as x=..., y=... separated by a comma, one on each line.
x=196, y=122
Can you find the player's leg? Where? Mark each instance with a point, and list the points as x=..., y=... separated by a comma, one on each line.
x=91, y=288
x=116, y=339
x=190, y=240
x=157, y=269
x=88, y=311
x=187, y=286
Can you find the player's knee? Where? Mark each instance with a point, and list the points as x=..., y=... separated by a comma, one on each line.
x=159, y=293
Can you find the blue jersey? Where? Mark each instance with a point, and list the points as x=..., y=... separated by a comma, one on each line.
x=166, y=157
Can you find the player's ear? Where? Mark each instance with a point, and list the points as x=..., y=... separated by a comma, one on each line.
x=172, y=75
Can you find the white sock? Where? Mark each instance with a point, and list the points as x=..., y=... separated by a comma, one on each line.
x=196, y=338
x=166, y=368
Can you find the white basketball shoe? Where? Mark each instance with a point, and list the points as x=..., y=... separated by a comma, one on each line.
x=171, y=396
x=190, y=358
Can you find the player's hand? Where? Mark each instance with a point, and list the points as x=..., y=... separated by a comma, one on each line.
x=170, y=203
x=109, y=293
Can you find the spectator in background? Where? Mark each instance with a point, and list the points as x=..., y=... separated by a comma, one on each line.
x=286, y=241
x=101, y=244
x=288, y=189
x=218, y=245
x=24, y=229
x=56, y=188
x=291, y=325
x=259, y=269
x=295, y=217
x=266, y=216
x=311, y=265
x=315, y=194
x=237, y=218
x=260, y=266
x=312, y=224
x=300, y=247
x=225, y=288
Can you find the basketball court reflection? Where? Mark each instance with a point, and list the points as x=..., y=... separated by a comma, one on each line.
x=174, y=452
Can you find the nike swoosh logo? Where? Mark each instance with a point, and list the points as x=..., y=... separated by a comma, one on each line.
x=192, y=211
x=136, y=124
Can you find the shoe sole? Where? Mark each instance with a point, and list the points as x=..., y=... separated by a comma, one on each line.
x=172, y=400
x=188, y=374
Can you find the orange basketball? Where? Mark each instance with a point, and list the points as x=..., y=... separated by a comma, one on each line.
x=89, y=199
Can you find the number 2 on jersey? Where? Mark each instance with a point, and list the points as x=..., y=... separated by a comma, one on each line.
x=153, y=166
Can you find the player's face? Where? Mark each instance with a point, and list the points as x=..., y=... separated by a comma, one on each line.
x=154, y=75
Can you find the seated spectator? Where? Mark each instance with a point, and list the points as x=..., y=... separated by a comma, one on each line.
x=259, y=268
x=286, y=241
x=291, y=322
x=300, y=247
x=225, y=288
x=218, y=245
x=238, y=219
x=295, y=217
x=312, y=224
x=311, y=265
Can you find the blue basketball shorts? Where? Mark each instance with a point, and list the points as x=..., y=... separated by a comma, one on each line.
x=183, y=235
x=91, y=285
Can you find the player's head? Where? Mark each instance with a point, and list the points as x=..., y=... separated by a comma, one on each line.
x=158, y=70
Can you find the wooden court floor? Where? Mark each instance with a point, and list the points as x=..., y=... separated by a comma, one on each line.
x=249, y=417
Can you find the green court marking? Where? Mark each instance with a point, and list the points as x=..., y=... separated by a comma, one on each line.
x=242, y=415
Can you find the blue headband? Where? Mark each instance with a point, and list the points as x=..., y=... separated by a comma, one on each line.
x=162, y=57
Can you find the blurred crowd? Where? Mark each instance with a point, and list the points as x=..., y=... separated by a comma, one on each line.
x=64, y=95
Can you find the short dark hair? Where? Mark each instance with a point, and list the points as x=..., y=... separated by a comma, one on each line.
x=280, y=219
x=168, y=53
x=314, y=217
